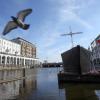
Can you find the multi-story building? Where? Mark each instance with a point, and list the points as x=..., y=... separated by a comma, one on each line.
x=95, y=48
x=27, y=48
x=17, y=52
x=9, y=47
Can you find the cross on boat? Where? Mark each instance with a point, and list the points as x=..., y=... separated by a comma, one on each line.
x=71, y=34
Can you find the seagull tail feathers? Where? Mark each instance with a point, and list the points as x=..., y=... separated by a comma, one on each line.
x=26, y=26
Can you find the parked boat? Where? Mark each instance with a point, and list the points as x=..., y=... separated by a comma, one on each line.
x=77, y=66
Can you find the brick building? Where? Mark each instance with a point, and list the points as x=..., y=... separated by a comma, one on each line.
x=27, y=48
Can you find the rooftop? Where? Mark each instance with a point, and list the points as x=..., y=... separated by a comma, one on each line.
x=19, y=38
x=98, y=37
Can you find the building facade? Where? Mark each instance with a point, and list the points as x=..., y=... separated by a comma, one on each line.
x=17, y=52
x=7, y=60
x=95, y=48
x=27, y=48
x=9, y=47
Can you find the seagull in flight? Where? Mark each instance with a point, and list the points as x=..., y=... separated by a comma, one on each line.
x=17, y=21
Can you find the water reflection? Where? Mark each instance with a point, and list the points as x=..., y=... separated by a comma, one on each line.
x=81, y=91
x=43, y=85
x=9, y=90
x=47, y=86
x=12, y=88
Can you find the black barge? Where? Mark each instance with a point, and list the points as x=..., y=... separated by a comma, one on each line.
x=78, y=67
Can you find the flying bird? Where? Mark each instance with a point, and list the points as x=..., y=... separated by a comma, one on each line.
x=17, y=21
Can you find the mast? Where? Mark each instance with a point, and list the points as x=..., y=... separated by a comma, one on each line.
x=71, y=35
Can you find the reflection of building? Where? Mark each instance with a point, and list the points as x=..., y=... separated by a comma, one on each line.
x=27, y=49
x=9, y=47
x=95, y=47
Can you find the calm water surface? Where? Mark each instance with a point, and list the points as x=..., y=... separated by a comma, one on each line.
x=47, y=86
x=44, y=86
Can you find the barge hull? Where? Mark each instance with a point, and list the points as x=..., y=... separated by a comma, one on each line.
x=62, y=77
x=78, y=67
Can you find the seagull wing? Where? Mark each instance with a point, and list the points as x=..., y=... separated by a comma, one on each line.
x=22, y=14
x=10, y=26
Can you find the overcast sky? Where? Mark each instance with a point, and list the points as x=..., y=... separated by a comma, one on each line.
x=50, y=19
